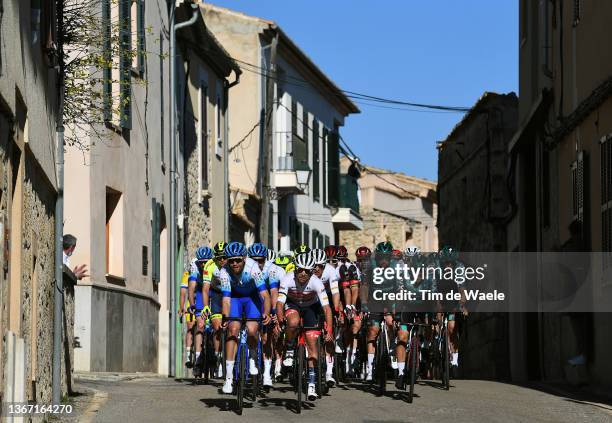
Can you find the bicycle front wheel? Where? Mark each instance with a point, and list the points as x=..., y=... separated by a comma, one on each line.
x=241, y=378
x=300, y=376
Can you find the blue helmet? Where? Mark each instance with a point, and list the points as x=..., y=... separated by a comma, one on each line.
x=204, y=253
x=258, y=250
x=235, y=249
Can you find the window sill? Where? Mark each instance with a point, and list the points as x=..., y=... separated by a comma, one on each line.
x=114, y=127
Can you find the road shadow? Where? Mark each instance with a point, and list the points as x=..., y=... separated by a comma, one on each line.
x=288, y=403
x=225, y=404
x=585, y=395
x=433, y=384
x=390, y=391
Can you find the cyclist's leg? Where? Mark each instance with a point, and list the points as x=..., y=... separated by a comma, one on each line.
x=453, y=340
x=231, y=342
x=372, y=334
x=310, y=316
x=190, y=321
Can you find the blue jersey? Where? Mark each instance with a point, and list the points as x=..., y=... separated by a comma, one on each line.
x=248, y=283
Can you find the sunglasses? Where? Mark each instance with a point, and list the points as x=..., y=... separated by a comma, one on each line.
x=235, y=260
x=259, y=259
x=302, y=270
x=333, y=261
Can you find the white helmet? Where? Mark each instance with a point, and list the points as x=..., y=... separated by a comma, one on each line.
x=318, y=255
x=304, y=261
x=272, y=254
x=412, y=250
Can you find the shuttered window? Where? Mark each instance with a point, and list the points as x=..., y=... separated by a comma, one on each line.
x=333, y=164
x=324, y=167
x=315, y=160
x=306, y=238
x=155, y=244
x=606, y=193
x=300, y=138
x=125, y=63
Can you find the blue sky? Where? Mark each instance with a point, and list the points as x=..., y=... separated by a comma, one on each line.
x=444, y=52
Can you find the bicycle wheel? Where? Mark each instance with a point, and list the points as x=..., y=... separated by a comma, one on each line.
x=381, y=365
x=445, y=361
x=241, y=378
x=205, y=356
x=413, y=365
x=320, y=355
x=256, y=378
x=300, y=376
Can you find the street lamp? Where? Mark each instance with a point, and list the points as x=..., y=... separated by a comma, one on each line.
x=303, y=175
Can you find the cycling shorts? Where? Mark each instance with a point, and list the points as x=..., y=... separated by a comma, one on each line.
x=250, y=307
x=349, y=283
x=216, y=304
x=310, y=314
x=199, y=301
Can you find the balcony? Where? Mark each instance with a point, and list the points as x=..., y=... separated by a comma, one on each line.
x=347, y=217
x=288, y=180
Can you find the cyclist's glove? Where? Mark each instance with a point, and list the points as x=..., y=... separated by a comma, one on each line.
x=205, y=311
x=192, y=309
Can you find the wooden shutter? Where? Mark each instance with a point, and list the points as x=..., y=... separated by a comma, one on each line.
x=324, y=168
x=125, y=63
x=155, y=244
x=107, y=89
x=141, y=37
x=315, y=160
x=333, y=160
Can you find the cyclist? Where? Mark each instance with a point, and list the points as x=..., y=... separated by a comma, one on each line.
x=244, y=289
x=284, y=261
x=184, y=311
x=272, y=276
x=349, y=277
x=196, y=299
x=329, y=276
x=382, y=259
x=302, y=296
x=212, y=298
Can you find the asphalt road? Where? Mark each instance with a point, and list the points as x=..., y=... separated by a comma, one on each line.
x=164, y=400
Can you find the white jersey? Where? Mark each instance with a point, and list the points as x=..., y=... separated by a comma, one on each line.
x=330, y=278
x=348, y=271
x=302, y=295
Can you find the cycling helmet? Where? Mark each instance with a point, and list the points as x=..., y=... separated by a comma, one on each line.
x=411, y=251
x=384, y=248
x=363, y=252
x=397, y=255
x=319, y=256
x=448, y=253
x=272, y=255
x=219, y=248
x=258, y=250
x=204, y=253
x=330, y=251
x=341, y=252
x=282, y=261
x=301, y=249
x=235, y=249
x=304, y=261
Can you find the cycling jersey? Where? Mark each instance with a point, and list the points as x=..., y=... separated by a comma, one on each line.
x=194, y=276
x=305, y=295
x=272, y=274
x=348, y=274
x=244, y=290
x=210, y=276
x=185, y=285
x=330, y=277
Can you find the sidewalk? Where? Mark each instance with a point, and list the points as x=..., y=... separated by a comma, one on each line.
x=115, y=377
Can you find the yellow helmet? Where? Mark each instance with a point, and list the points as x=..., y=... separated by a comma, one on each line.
x=282, y=261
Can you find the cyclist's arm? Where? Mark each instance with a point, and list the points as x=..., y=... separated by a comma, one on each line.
x=192, y=288
x=260, y=283
x=281, y=299
x=206, y=293
x=355, y=287
x=182, y=301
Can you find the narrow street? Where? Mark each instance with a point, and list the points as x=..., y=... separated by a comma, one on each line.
x=160, y=400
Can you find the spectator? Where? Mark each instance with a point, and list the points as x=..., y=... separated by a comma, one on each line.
x=69, y=246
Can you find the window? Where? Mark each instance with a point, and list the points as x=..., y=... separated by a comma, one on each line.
x=545, y=187
x=326, y=240
x=35, y=14
x=315, y=239
x=578, y=187
x=155, y=244
x=202, y=134
x=114, y=233
x=333, y=165
x=138, y=42
x=315, y=160
x=299, y=139
x=324, y=167
x=219, y=134
x=145, y=260
x=116, y=18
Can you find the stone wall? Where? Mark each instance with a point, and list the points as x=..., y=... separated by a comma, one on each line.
x=381, y=226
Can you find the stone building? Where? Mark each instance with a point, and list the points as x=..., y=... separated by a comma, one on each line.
x=473, y=209
x=28, y=190
x=395, y=207
x=561, y=176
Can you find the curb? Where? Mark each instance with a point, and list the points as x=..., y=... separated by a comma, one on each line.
x=115, y=377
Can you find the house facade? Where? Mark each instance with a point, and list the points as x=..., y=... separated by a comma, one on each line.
x=284, y=126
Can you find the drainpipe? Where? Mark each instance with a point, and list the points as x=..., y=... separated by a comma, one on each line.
x=59, y=221
x=174, y=27
x=226, y=155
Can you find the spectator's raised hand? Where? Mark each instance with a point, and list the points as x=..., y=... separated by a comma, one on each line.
x=80, y=271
